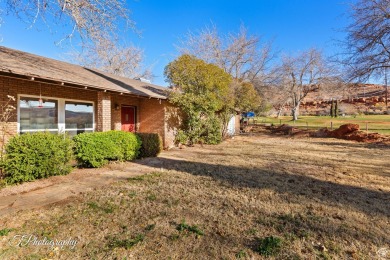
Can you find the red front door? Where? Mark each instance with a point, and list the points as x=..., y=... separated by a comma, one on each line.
x=128, y=119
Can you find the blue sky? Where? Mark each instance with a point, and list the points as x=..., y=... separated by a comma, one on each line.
x=293, y=25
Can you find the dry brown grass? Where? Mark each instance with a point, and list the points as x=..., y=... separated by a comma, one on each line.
x=324, y=198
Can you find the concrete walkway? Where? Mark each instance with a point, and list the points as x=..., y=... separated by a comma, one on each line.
x=56, y=189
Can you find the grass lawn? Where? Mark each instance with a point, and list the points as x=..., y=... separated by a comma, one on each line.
x=376, y=123
x=249, y=198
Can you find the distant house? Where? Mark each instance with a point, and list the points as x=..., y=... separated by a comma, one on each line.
x=56, y=96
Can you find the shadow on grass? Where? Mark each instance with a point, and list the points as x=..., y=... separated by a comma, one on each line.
x=371, y=202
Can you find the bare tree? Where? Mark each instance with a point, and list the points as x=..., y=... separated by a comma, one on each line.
x=368, y=41
x=241, y=55
x=305, y=73
x=114, y=58
x=92, y=20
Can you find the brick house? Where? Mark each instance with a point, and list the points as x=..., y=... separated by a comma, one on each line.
x=57, y=96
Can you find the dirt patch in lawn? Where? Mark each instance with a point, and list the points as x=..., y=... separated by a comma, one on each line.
x=55, y=189
x=249, y=197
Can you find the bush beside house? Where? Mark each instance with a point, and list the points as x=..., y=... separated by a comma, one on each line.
x=97, y=149
x=43, y=154
x=151, y=145
x=34, y=156
x=207, y=96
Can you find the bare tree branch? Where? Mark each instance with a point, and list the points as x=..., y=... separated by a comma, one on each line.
x=93, y=20
x=367, y=45
x=111, y=57
x=241, y=55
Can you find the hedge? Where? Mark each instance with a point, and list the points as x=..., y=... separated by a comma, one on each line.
x=37, y=155
x=151, y=144
x=96, y=149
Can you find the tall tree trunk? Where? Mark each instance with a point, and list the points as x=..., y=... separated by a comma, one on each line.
x=332, y=109
x=295, y=112
x=280, y=110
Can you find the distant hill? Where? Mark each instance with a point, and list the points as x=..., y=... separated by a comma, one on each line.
x=353, y=99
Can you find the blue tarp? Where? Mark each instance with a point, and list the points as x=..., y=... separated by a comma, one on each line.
x=248, y=114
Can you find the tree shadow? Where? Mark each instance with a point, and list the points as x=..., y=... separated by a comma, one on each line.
x=371, y=202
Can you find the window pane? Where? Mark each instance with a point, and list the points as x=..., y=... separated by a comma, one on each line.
x=35, y=115
x=78, y=115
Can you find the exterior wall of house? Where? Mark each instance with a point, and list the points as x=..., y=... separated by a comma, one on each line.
x=151, y=117
x=103, y=111
x=173, y=120
x=15, y=87
x=151, y=114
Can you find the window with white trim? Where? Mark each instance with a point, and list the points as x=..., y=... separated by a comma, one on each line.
x=54, y=115
x=36, y=115
x=78, y=117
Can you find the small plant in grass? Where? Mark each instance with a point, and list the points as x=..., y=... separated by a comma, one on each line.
x=241, y=254
x=145, y=177
x=150, y=227
x=34, y=257
x=109, y=208
x=136, y=178
x=93, y=205
x=126, y=243
x=174, y=237
x=295, y=224
x=151, y=197
x=269, y=246
x=252, y=231
x=5, y=231
x=132, y=194
x=183, y=227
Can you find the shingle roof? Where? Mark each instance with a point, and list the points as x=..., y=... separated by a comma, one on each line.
x=26, y=64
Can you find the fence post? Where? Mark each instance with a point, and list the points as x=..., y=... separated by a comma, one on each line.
x=331, y=125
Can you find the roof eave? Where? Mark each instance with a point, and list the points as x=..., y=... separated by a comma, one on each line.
x=67, y=83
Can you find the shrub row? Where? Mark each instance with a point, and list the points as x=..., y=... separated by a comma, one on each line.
x=96, y=149
x=34, y=156
x=40, y=155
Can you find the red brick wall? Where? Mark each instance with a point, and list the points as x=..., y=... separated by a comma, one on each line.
x=15, y=87
x=103, y=111
x=173, y=118
x=151, y=116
